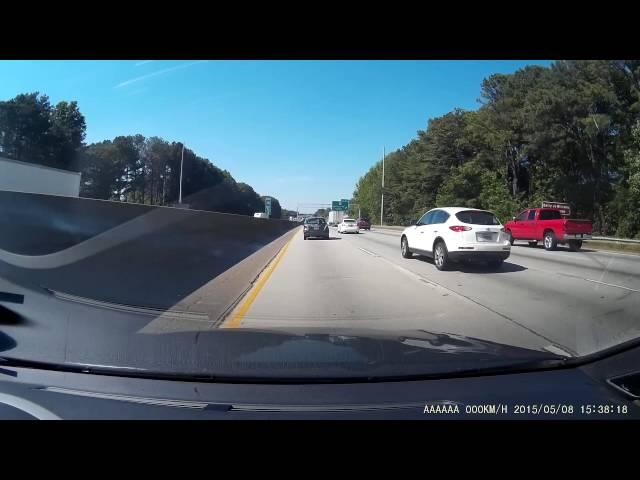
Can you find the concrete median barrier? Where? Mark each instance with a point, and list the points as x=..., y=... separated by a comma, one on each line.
x=130, y=254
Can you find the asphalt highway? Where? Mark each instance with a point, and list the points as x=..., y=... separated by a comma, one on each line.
x=573, y=302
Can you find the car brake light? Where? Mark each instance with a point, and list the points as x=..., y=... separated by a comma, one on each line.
x=459, y=228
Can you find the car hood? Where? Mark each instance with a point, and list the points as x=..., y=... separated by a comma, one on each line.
x=302, y=354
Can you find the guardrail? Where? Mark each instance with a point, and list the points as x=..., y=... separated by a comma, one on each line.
x=594, y=238
x=387, y=227
x=616, y=240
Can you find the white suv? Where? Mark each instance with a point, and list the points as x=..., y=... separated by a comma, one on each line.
x=348, y=225
x=451, y=234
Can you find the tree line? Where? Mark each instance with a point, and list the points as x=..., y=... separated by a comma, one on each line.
x=32, y=130
x=569, y=132
x=137, y=169
x=130, y=168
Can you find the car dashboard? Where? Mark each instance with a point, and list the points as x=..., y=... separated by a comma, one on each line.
x=584, y=392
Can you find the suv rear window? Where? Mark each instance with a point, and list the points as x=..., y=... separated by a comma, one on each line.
x=315, y=221
x=348, y=220
x=549, y=215
x=476, y=217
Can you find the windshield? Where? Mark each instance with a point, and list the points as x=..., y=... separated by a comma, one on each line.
x=477, y=218
x=162, y=215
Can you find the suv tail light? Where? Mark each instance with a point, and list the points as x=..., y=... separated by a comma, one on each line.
x=459, y=228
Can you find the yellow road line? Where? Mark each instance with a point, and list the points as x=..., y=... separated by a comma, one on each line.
x=253, y=294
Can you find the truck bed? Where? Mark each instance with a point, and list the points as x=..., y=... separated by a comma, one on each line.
x=573, y=226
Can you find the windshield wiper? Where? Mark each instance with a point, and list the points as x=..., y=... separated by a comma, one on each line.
x=66, y=367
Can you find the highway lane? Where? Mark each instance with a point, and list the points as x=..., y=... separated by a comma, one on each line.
x=579, y=301
x=339, y=285
x=557, y=294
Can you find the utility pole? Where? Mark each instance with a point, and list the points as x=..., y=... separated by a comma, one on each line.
x=382, y=198
x=181, y=162
x=164, y=185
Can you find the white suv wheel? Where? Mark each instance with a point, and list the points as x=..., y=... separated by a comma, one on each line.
x=439, y=256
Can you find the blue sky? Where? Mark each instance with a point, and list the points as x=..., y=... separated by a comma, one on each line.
x=302, y=131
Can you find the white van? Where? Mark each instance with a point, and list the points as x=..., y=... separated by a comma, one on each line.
x=260, y=215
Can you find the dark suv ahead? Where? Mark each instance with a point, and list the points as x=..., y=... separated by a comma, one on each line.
x=364, y=224
x=316, y=227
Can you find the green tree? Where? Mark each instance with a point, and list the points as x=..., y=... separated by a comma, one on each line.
x=462, y=188
x=250, y=201
x=563, y=133
x=101, y=173
x=626, y=205
x=33, y=131
x=66, y=134
x=367, y=192
x=494, y=196
x=147, y=170
x=25, y=122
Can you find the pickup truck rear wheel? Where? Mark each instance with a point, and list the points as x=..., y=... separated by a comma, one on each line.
x=575, y=245
x=550, y=240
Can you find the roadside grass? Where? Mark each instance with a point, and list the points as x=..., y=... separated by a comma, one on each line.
x=612, y=246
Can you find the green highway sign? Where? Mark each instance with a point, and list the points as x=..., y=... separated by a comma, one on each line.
x=340, y=205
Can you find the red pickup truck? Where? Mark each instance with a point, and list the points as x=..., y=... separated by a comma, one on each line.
x=548, y=225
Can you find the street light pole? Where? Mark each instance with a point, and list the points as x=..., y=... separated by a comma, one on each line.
x=181, y=162
x=382, y=198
